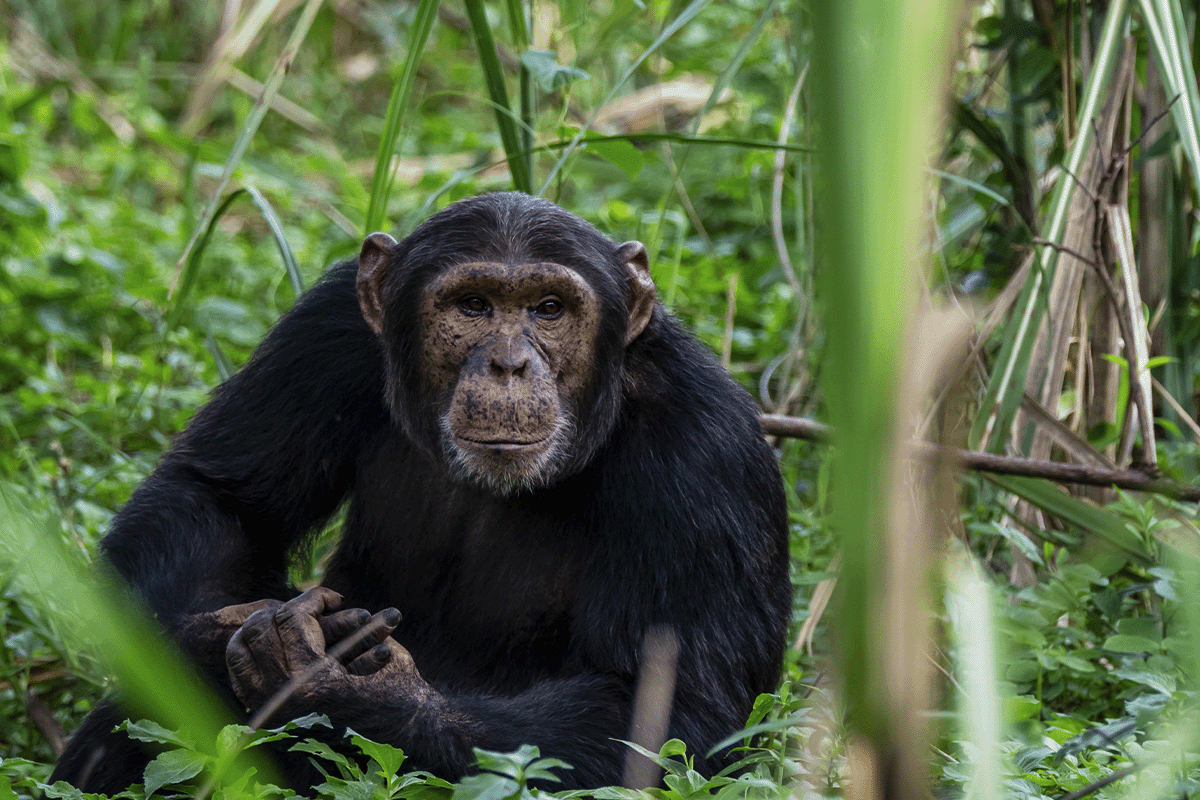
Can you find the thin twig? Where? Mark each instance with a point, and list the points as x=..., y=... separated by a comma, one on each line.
x=1138, y=480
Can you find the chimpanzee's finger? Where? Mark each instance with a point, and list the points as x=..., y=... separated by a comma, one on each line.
x=253, y=657
x=371, y=661
x=340, y=624
x=296, y=625
x=317, y=601
x=234, y=616
x=377, y=628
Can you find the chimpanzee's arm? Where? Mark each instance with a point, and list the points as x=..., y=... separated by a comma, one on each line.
x=261, y=466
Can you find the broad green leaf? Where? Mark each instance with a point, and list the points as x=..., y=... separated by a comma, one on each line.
x=357, y=789
x=1122, y=643
x=387, y=757
x=173, y=766
x=149, y=731
x=620, y=153
x=485, y=786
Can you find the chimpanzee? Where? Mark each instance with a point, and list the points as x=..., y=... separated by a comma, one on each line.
x=541, y=467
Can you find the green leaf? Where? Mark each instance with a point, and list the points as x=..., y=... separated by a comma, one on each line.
x=1145, y=627
x=285, y=250
x=1158, y=681
x=1047, y=496
x=550, y=75
x=387, y=757
x=1021, y=707
x=359, y=789
x=322, y=750
x=173, y=766
x=620, y=153
x=540, y=770
x=672, y=747
x=616, y=793
x=486, y=786
x=148, y=731
x=1123, y=643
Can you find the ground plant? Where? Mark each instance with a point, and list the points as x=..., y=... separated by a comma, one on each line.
x=960, y=236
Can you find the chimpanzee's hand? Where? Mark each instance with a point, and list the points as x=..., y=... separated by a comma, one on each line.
x=205, y=636
x=286, y=645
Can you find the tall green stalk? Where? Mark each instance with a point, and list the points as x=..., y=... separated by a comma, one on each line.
x=381, y=181
x=874, y=62
x=493, y=75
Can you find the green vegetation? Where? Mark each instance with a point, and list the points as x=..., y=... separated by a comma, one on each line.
x=1023, y=279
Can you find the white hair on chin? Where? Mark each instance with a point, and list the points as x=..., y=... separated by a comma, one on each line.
x=505, y=476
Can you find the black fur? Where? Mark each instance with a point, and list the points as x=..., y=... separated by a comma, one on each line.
x=527, y=613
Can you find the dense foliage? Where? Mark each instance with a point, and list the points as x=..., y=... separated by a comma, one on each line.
x=117, y=123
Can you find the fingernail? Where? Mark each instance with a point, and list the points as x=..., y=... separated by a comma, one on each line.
x=392, y=616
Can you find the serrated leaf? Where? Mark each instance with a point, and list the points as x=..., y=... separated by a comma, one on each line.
x=550, y=75
x=61, y=790
x=306, y=722
x=148, y=731
x=360, y=789
x=173, y=766
x=387, y=757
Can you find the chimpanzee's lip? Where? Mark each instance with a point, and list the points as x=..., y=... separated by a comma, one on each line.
x=503, y=445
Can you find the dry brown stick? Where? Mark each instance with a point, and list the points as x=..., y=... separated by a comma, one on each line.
x=798, y=428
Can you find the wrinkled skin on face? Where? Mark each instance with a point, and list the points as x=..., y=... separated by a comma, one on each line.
x=507, y=351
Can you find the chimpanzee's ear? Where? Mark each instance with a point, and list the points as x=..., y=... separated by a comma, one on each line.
x=642, y=291
x=373, y=262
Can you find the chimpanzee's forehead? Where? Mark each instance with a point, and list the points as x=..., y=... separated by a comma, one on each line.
x=510, y=228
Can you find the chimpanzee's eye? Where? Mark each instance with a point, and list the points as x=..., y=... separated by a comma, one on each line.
x=550, y=308
x=474, y=306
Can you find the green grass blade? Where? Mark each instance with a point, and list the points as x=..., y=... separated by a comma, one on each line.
x=285, y=250
x=520, y=37
x=1168, y=39
x=261, y=105
x=1047, y=496
x=735, y=63
x=195, y=254
x=381, y=181
x=1004, y=391
x=96, y=611
x=493, y=75
x=969, y=606
x=685, y=16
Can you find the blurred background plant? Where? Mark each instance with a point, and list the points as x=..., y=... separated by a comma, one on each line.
x=173, y=174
